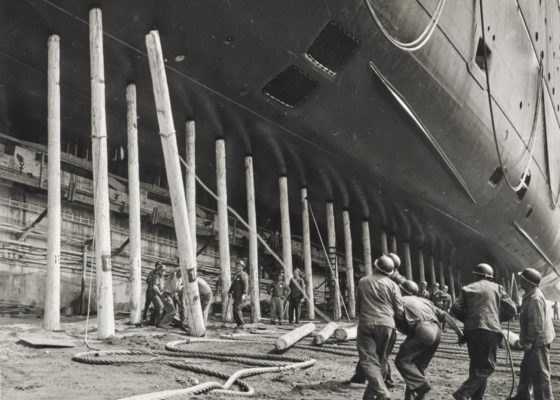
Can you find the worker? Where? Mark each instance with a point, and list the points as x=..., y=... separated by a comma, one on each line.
x=442, y=300
x=359, y=375
x=171, y=286
x=277, y=291
x=555, y=310
x=424, y=290
x=238, y=291
x=481, y=306
x=434, y=295
x=295, y=296
x=380, y=302
x=205, y=293
x=421, y=327
x=536, y=335
x=150, y=293
x=206, y=296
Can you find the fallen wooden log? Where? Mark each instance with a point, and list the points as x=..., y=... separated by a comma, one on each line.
x=325, y=333
x=349, y=333
x=288, y=339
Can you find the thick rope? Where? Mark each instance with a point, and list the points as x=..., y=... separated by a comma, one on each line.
x=266, y=363
x=421, y=40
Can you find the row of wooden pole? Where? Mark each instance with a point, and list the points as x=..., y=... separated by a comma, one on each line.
x=184, y=207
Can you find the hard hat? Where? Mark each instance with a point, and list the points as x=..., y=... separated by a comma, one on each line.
x=423, y=283
x=436, y=284
x=160, y=265
x=410, y=287
x=241, y=262
x=484, y=270
x=396, y=260
x=385, y=265
x=531, y=275
x=445, y=287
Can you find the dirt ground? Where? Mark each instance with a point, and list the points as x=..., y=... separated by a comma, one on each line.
x=49, y=373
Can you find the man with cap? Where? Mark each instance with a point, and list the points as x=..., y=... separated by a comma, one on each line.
x=359, y=375
x=380, y=302
x=434, y=296
x=238, y=290
x=480, y=306
x=537, y=333
x=277, y=291
x=295, y=296
x=150, y=294
x=421, y=326
x=424, y=290
x=442, y=300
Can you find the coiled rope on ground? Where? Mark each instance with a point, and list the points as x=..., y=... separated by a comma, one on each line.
x=265, y=363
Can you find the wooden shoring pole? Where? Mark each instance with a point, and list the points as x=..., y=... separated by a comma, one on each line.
x=451, y=281
x=383, y=242
x=134, y=224
x=349, y=264
x=223, y=227
x=407, y=260
x=254, y=289
x=285, y=227
x=187, y=254
x=366, y=243
x=51, y=320
x=432, y=269
x=394, y=246
x=441, y=273
x=459, y=281
x=306, y=254
x=331, y=240
x=190, y=179
x=421, y=269
x=105, y=316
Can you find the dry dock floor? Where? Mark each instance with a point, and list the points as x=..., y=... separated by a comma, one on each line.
x=49, y=373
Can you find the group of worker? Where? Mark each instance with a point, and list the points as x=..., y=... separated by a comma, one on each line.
x=279, y=293
x=164, y=291
x=388, y=302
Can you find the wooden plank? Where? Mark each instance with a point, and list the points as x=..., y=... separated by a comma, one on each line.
x=47, y=341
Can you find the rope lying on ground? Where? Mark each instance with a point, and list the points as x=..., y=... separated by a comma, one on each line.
x=173, y=354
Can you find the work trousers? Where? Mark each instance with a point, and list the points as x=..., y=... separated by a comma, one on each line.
x=237, y=311
x=482, y=346
x=359, y=374
x=373, y=343
x=276, y=309
x=416, y=352
x=535, y=373
x=153, y=297
x=205, y=304
x=294, y=309
x=169, y=311
x=147, y=303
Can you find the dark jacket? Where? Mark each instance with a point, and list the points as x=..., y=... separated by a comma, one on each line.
x=535, y=321
x=277, y=289
x=380, y=300
x=417, y=310
x=239, y=285
x=479, y=304
x=295, y=293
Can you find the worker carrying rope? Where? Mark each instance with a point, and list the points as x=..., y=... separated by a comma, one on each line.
x=537, y=333
x=481, y=306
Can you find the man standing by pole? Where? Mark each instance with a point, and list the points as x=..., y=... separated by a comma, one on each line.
x=380, y=302
x=238, y=290
x=479, y=307
x=296, y=296
x=537, y=333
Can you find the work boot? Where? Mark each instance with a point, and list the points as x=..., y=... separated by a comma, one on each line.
x=408, y=394
x=420, y=393
x=519, y=397
x=458, y=396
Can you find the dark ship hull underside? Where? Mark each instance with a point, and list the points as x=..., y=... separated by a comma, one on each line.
x=349, y=140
